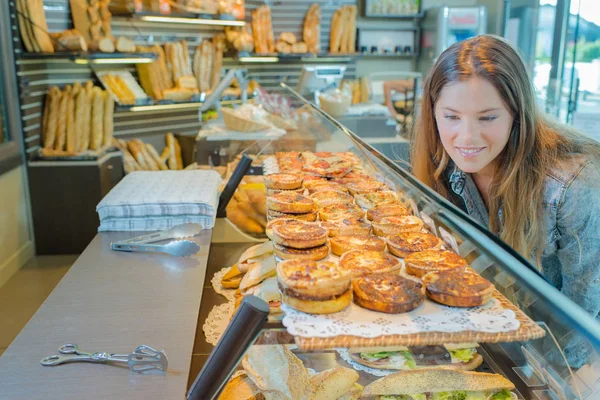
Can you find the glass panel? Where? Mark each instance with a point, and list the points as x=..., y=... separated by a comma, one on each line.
x=3, y=130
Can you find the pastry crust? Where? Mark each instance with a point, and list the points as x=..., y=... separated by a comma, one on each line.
x=406, y=243
x=388, y=293
x=341, y=244
x=291, y=203
x=458, y=289
x=309, y=217
x=330, y=197
x=383, y=210
x=421, y=263
x=347, y=226
x=322, y=186
x=311, y=254
x=370, y=200
x=273, y=192
x=299, y=234
x=340, y=211
x=283, y=181
x=328, y=306
x=363, y=187
x=397, y=224
x=325, y=165
x=366, y=262
x=312, y=280
x=311, y=181
x=232, y=279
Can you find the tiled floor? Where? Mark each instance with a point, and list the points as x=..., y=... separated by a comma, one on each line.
x=25, y=292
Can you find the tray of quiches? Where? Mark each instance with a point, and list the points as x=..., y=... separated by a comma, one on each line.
x=355, y=268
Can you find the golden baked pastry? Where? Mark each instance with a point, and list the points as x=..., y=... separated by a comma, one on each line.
x=310, y=181
x=421, y=263
x=312, y=254
x=366, y=262
x=397, y=224
x=458, y=288
x=329, y=197
x=318, y=287
x=232, y=279
x=383, y=210
x=404, y=244
x=389, y=293
x=347, y=226
x=365, y=186
x=321, y=186
x=340, y=211
x=283, y=181
x=370, y=200
x=272, y=192
x=341, y=244
x=291, y=203
x=298, y=234
x=310, y=217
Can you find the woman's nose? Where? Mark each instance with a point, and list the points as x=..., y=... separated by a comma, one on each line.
x=468, y=130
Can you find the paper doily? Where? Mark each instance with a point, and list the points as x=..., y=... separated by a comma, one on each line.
x=229, y=294
x=428, y=317
x=217, y=322
x=345, y=355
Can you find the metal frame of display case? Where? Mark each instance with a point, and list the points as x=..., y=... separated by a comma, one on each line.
x=499, y=357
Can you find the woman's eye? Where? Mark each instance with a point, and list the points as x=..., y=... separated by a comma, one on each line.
x=451, y=117
x=488, y=118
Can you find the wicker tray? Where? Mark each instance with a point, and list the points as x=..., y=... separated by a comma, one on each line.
x=527, y=331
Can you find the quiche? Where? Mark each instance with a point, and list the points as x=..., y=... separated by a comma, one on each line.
x=361, y=263
x=388, y=293
x=365, y=186
x=310, y=217
x=272, y=192
x=458, y=288
x=340, y=211
x=319, y=186
x=341, y=244
x=390, y=209
x=283, y=181
x=421, y=263
x=298, y=234
x=347, y=226
x=312, y=253
x=370, y=200
x=404, y=244
x=397, y=224
x=291, y=203
x=329, y=197
x=325, y=165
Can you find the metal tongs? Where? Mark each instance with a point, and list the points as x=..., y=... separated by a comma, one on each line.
x=180, y=248
x=142, y=359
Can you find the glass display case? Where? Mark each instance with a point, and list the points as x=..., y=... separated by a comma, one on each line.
x=546, y=345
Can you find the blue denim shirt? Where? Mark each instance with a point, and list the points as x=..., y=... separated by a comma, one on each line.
x=571, y=257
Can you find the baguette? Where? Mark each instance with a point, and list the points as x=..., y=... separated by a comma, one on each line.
x=207, y=56
x=312, y=29
x=71, y=128
x=154, y=154
x=61, y=130
x=345, y=21
x=147, y=157
x=25, y=27
x=129, y=96
x=269, y=27
x=124, y=45
x=52, y=122
x=336, y=31
x=166, y=81
x=178, y=157
x=219, y=45
x=93, y=14
x=39, y=26
x=172, y=160
x=165, y=154
x=79, y=120
x=138, y=154
x=97, y=118
x=352, y=30
x=45, y=118
x=256, y=31
x=109, y=108
x=106, y=45
x=84, y=138
x=187, y=69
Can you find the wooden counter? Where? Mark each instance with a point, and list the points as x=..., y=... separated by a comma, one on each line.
x=111, y=301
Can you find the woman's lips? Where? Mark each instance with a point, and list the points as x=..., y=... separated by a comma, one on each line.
x=470, y=152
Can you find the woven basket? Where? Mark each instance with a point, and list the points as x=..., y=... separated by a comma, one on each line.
x=240, y=124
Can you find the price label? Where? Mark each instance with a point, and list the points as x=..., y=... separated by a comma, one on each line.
x=429, y=222
x=449, y=239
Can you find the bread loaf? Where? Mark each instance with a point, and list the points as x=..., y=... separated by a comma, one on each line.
x=37, y=19
x=335, y=37
x=71, y=128
x=219, y=47
x=172, y=160
x=178, y=94
x=287, y=37
x=97, y=118
x=106, y=45
x=154, y=154
x=283, y=47
x=187, y=82
x=25, y=26
x=84, y=139
x=52, y=122
x=299, y=48
x=61, y=130
x=79, y=120
x=312, y=29
x=108, y=126
x=178, y=157
x=124, y=45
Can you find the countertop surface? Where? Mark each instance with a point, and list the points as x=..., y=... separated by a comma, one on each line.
x=111, y=301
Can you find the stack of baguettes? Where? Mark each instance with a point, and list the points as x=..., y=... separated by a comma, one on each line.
x=76, y=119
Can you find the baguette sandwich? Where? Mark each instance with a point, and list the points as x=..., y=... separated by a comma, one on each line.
x=463, y=357
x=440, y=384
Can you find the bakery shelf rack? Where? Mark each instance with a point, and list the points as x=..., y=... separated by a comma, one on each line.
x=89, y=58
x=171, y=106
x=247, y=58
x=183, y=18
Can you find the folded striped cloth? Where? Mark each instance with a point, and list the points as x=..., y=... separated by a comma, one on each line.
x=155, y=200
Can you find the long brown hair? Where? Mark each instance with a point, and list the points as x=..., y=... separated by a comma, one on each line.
x=535, y=143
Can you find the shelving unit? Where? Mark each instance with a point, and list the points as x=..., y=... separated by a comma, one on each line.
x=88, y=58
x=183, y=18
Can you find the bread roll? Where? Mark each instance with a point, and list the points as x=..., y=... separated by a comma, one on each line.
x=109, y=108
x=97, y=118
x=299, y=48
x=287, y=37
x=283, y=47
x=124, y=45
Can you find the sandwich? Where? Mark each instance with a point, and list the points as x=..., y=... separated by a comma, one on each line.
x=241, y=388
x=463, y=356
x=258, y=272
x=266, y=290
x=232, y=279
x=441, y=384
x=254, y=254
x=335, y=383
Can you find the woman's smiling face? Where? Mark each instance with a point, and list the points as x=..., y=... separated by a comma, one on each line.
x=473, y=123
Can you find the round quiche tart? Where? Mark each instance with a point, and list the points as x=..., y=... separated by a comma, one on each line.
x=340, y=211
x=406, y=243
x=312, y=254
x=310, y=181
x=458, y=288
x=274, y=222
x=316, y=287
x=298, y=234
x=272, y=192
x=421, y=263
x=310, y=217
x=365, y=186
x=283, y=181
x=344, y=243
x=387, y=226
x=326, y=186
x=389, y=293
x=347, y=226
x=383, y=210
x=370, y=200
x=366, y=262
x=329, y=197
x=291, y=203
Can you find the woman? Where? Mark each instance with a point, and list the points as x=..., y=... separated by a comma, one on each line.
x=481, y=142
